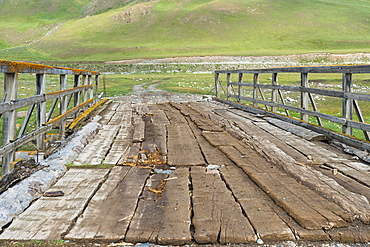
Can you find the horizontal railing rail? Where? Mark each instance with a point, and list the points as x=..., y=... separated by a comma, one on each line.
x=72, y=97
x=270, y=97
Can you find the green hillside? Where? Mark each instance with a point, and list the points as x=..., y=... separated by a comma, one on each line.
x=84, y=30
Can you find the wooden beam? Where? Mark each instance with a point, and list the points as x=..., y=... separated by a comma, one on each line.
x=283, y=101
x=255, y=89
x=240, y=88
x=217, y=84
x=9, y=118
x=20, y=103
x=96, y=89
x=360, y=118
x=304, y=96
x=347, y=104
x=89, y=82
x=26, y=120
x=315, y=69
x=330, y=134
x=10, y=92
x=76, y=97
x=274, y=93
x=41, y=109
x=30, y=68
x=63, y=104
x=341, y=121
x=228, y=86
x=314, y=106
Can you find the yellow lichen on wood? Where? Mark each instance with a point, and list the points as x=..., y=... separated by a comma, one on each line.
x=77, y=120
x=23, y=67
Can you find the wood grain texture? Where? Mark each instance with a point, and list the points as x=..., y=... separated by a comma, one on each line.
x=50, y=217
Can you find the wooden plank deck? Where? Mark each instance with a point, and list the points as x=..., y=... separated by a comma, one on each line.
x=202, y=173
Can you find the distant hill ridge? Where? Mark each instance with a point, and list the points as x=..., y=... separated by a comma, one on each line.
x=105, y=30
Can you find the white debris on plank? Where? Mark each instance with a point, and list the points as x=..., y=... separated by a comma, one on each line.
x=16, y=199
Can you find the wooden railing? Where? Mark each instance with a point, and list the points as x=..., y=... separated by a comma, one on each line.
x=252, y=94
x=82, y=92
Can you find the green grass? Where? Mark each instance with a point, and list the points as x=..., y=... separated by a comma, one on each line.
x=87, y=166
x=35, y=243
x=170, y=28
x=117, y=85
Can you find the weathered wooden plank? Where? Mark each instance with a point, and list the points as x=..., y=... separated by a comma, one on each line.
x=277, y=184
x=182, y=146
x=325, y=208
x=249, y=126
x=108, y=113
x=302, y=234
x=218, y=138
x=50, y=217
x=158, y=115
x=95, y=151
x=176, y=221
x=212, y=155
x=208, y=109
x=139, y=129
x=256, y=204
x=217, y=217
x=146, y=222
x=198, y=117
x=155, y=144
x=124, y=107
x=345, y=167
x=108, y=215
x=173, y=115
x=352, y=202
x=120, y=146
x=122, y=116
x=351, y=184
x=296, y=130
x=318, y=155
x=131, y=156
x=141, y=109
x=351, y=235
x=182, y=108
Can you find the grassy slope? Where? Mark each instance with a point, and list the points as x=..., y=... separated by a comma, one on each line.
x=185, y=28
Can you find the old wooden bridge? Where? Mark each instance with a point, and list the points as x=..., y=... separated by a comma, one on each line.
x=207, y=172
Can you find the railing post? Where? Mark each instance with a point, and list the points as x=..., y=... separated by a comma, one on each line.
x=96, y=89
x=304, y=96
x=274, y=93
x=84, y=92
x=89, y=82
x=347, y=104
x=76, y=98
x=63, y=104
x=228, y=86
x=9, y=118
x=255, y=89
x=240, y=88
x=217, y=84
x=41, y=109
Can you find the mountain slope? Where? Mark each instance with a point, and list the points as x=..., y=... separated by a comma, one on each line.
x=122, y=29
